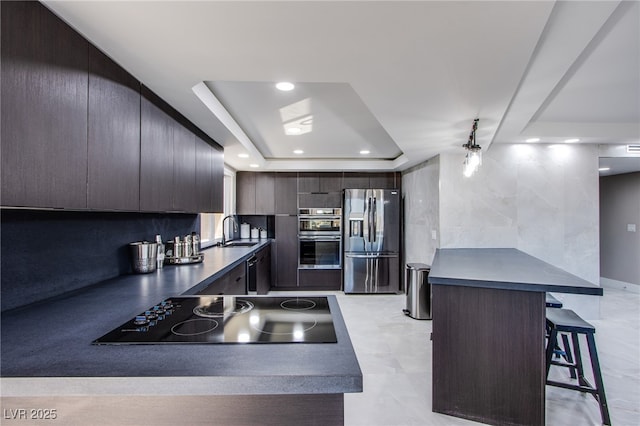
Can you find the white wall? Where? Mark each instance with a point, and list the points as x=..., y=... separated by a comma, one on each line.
x=540, y=199
x=421, y=213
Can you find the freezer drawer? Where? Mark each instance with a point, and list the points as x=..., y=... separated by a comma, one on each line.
x=371, y=273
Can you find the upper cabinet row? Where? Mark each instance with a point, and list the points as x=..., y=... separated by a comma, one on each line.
x=267, y=193
x=79, y=132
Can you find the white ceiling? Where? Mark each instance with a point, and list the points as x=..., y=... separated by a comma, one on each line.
x=403, y=80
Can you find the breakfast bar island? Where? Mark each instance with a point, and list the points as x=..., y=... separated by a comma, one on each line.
x=489, y=332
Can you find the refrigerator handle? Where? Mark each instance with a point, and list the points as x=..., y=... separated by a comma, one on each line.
x=369, y=219
x=374, y=214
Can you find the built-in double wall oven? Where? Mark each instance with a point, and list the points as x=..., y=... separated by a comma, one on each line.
x=320, y=238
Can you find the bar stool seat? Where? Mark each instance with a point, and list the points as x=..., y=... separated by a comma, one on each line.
x=567, y=321
x=552, y=302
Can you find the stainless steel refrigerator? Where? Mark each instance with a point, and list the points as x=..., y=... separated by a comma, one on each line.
x=371, y=241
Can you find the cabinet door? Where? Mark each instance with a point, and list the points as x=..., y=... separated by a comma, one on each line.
x=286, y=251
x=233, y=282
x=44, y=73
x=320, y=279
x=383, y=181
x=308, y=182
x=246, y=193
x=356, y=180
x=156, y=155
x=114, y=136
x=316, y=200
x=330, y=182
x=204, y=177
x=218, y=180
x=184, y=169
x=265, y=193
x=263, y=273
x=286, y=193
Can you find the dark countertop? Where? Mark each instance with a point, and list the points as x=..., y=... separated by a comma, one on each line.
x=38, y=361
x=504, y=268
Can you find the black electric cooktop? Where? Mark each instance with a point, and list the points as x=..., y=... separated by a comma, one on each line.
x=228, y=319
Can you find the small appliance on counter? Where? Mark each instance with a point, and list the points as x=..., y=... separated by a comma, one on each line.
x=144, y=256
x=245, y=231
x=183, y=251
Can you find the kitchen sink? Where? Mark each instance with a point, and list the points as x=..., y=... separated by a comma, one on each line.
x=239, y=244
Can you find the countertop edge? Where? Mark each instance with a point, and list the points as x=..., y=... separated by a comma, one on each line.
x=517, y=286
x=181, y=386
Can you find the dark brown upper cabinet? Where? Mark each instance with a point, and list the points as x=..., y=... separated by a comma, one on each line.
x=218, y=180
x=286, y=189
x=265, y=193
x=113, y=136
x=156, y=150
x=388, y=180
x=184, y=170
x=319, y=182
x=44, y=109
x=205, y=177
x=356, y=180
x=245, y=193
x=255, y=193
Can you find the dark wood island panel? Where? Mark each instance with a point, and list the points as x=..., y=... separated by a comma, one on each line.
x=491, y=372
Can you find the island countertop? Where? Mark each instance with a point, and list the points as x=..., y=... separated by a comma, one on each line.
x=504, y=268
x=47, y=350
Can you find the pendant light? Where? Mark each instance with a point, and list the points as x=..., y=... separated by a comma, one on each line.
x=473, y=159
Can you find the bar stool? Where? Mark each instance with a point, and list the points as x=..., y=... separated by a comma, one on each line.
x=567, y=321
x=552, y=302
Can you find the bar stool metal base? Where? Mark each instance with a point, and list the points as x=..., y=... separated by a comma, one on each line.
x=567, y=321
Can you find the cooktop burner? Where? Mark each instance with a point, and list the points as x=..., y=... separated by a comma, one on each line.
x=229, y=319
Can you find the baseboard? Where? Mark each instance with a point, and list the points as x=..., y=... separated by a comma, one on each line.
x=620, y=285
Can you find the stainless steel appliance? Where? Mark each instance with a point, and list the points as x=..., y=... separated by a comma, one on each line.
x=371, y=241
x=228, y=319
x=320, y=238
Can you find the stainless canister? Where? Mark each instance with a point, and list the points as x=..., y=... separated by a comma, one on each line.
x=143, y=256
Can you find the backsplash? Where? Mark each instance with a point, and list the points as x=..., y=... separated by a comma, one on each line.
x=48, y=253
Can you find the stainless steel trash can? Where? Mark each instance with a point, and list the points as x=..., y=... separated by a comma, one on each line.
x=418, y=291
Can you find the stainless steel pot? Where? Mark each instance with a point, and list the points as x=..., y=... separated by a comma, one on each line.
x=143, y=256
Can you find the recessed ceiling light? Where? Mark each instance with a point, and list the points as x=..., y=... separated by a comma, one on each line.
x=243, y=155
x=298, y=151
x=285, y=86
x=573, y=140
x=530, y=140
x=293, y=130
x=365, y=152
x=254, y=166
x=604, y=169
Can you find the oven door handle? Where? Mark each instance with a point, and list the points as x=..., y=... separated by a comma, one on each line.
x=370, y=256
x=319, y=238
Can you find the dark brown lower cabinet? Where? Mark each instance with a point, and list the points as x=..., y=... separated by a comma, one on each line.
x=286, y=252
x=320, y=279
x=263, y=270
x=233, y=282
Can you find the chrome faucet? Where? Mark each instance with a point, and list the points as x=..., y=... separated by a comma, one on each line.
x=235, y=227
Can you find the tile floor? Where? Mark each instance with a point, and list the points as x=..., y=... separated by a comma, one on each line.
x=394, y=352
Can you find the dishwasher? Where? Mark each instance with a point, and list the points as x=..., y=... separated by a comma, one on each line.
x=252, y=274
